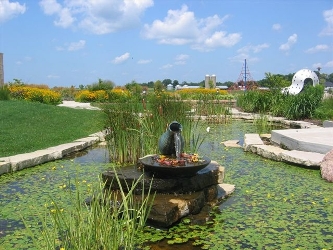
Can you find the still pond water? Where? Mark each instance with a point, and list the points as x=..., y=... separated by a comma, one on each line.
x=274, y=206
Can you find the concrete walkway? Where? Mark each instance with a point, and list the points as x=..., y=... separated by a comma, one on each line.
x=77, y=105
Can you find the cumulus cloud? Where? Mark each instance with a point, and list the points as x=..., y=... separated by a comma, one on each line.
x=121, y=59
x=291, y=41
x=182, y=27
x=9, y=10
x=98, y=17
x=276, y=26
x=318, y=48
x=328, y=17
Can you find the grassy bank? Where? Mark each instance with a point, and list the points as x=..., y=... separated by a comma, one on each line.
x=29, y=126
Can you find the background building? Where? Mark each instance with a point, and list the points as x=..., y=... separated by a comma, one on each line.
x=210, y=82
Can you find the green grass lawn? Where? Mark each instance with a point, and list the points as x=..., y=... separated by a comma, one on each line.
x=29, y=126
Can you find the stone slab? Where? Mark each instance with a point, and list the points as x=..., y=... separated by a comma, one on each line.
x=269, y=152
x=5, y=167
x=232, y=144
x=309, y=159
x=328, y=124
x=318, y=140
x=213, y=174
x=250, y=140
x=22, y=161
x=67, y=148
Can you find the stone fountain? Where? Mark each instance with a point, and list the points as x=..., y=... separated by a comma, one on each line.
x=183, y=184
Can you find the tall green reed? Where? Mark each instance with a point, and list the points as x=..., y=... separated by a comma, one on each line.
x=111, y=220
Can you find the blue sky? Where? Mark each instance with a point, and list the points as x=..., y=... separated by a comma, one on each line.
x=73, y=42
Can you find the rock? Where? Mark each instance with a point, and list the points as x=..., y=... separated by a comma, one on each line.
x=175, y=197
x=213, y=174
x=269, y=152
x=250, y=140
x=232, y=144
x=327, y=124
x=326, y=167
x=309, y=159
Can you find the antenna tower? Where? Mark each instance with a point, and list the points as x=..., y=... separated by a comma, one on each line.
x=244, y=76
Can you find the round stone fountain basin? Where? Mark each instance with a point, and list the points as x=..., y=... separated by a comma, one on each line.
x=190, y=169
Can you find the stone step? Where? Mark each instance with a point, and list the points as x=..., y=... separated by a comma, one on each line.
x=254, y=144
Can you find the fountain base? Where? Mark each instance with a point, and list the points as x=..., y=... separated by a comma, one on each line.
x=176, y=197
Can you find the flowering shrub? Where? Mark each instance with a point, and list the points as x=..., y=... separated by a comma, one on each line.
x=201, y=93
x=115, y=95
x=34, y=94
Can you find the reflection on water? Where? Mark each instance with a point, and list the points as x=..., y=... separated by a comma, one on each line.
x=95, y=154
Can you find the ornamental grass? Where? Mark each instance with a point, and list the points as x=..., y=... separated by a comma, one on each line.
x=111, y=219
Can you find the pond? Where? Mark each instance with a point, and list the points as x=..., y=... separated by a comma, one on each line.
x=274, y=206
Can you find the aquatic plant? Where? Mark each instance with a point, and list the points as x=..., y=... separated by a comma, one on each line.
x=110, y=220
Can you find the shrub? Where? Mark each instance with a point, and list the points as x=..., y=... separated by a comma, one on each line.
x=101, y=85
x=4, y=93
x=34, y=94
x=200, y=93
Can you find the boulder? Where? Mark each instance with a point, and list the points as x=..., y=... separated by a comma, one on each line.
x=326, y=167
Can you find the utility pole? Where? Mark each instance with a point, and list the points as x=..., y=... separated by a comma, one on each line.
x=319, y=68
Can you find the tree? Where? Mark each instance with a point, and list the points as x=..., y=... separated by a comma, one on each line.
x=151, y=84
x=175, y=83
x=166, y=82
x=134, y=88
x=276, y=82
x=101, y=85
x=158, y=86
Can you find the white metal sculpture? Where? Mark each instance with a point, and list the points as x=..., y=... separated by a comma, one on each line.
x=297, y=83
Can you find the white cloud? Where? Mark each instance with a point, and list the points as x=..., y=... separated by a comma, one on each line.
x=287, y=46
x=328, y=64
x=167, y=66
x=182, y=27
x=219, y=39
x=328, y=30
x=142, y=61
x=318, y=48
x=64, y=15
x=276, y=26
x=121, y=59
x=76, y=45
x=242, y=56
x=98, y=17
x=72, y=46
x=253, y=48
x=52, y=76
x=182, y=57
x=9, y=10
